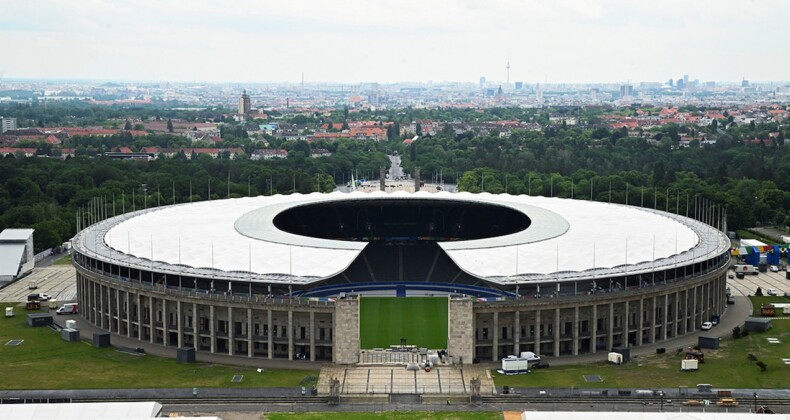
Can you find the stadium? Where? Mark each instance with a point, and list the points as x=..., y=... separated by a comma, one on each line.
x=326, y=276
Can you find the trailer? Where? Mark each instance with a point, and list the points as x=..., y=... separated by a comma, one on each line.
x=689, y=364
x=513, y=365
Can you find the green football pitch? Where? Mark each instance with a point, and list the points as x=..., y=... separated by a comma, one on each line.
x=422, y=321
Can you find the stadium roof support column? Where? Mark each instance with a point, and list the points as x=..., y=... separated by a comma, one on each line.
x=416, y=178
x=382, y=179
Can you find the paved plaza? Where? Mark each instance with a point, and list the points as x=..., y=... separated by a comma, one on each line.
x=368, y=380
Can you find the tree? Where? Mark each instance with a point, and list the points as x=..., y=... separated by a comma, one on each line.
x=169, y=125
x=759, y=292
x=128, y=125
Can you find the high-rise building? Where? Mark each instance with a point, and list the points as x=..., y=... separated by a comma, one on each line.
x=244, y=103
x=482, y=82
x=519, y=85
x=7, y=123
x=626, y=91
x=744, y=82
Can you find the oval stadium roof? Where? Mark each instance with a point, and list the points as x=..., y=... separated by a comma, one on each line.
x=566, y=236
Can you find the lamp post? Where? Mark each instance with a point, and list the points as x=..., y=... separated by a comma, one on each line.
x=755, y=402
x=661, y=394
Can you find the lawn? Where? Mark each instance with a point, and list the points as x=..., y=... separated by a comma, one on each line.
x=759, y=301
x=726, y=367
x=44, y=361
x=422, y=321
x=66, y=260
x=395, y=415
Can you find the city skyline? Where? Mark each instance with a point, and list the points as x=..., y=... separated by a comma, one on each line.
x=388, y=42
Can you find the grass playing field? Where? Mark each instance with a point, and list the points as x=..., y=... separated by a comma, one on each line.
x=422, y=321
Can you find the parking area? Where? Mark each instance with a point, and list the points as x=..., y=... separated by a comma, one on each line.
x=768, y=280
x=58, y=281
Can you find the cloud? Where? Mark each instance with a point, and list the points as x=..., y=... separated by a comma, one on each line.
x=392, y=40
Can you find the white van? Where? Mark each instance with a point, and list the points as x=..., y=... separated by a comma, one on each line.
x=68, y=308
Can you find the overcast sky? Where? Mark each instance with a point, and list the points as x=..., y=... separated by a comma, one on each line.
x=396, y=40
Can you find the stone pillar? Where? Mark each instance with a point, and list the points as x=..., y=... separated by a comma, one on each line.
x=270, y=335
x=556, y=332
x=180, y=324
x=696, y=312
x=610, y=332
x=382, y=179
x=312, y=336
x=118, y=310
x=165, y=324
x=594, y=329
x=345, y=346
x=537, y=331
x=495, y=337
x=461, y=331
x=416, y=178
x=641, y=327
x=250, y=331
x=653, y=309
x=101, y=306
x=109, y=310
x=95, y=302
x=231, y=332
x=151, y=319
x=291, y=334
x=212, y=328
x=665, y=318
x=676, y=317
x=575, y=331
x=140, y=309
x=517, y=332
x=128, y=314
x=626, y=322
x=195, y=327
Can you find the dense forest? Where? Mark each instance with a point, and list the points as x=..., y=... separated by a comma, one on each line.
x=751, y=182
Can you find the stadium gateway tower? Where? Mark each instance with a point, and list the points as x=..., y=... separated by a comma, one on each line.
x=325, y=276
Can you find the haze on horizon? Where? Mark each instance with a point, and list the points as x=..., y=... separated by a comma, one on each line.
x=346, y=41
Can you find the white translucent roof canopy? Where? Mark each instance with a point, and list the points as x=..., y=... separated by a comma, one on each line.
x=565, y=236
x=202, y=235
x=601, y=235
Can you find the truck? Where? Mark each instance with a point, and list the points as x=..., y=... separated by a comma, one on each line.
x=68, y=308
x=746, y=269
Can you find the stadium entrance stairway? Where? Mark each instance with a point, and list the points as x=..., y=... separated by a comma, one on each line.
x=383, y=380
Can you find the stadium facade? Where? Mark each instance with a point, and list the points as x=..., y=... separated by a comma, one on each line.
x=281, y=276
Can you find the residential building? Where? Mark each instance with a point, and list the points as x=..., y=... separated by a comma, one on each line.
x=7, y=123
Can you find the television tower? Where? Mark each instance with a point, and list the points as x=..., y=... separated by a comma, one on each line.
x=508, y=73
